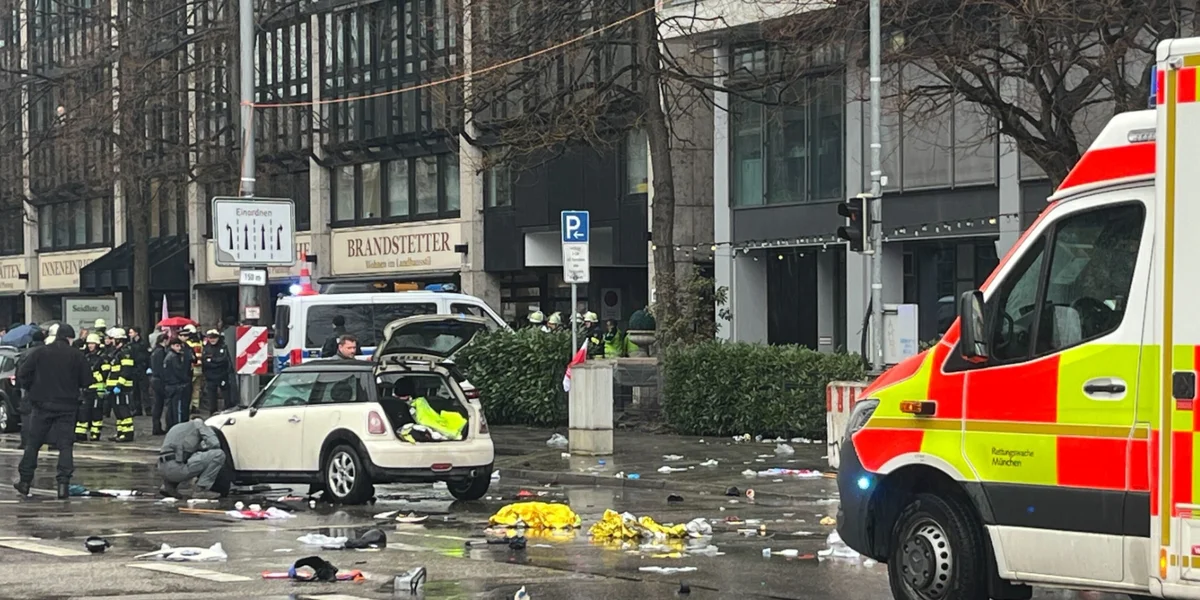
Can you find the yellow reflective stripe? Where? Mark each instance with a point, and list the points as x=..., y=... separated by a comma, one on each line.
x=126, y=362
x=1168, y=300
x=1097, y=431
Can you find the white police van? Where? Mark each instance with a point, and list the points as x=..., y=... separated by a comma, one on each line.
x=303, y=323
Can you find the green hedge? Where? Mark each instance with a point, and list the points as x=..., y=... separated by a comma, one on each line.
x=720, y=388
x=519, y=375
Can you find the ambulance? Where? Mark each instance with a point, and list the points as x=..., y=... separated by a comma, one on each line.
x=1050, y=438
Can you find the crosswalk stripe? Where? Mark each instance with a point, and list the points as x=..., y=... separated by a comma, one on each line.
x=186, y=571
x=175, y=531
x=29, y=546
x=332, y=597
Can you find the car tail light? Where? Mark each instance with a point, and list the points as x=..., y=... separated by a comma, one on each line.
x=375, y=424
x=296, y=356
x=441, y=467
x=483, y=426
x=471, y=394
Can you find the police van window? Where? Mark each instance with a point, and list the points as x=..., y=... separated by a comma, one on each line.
x=386, y=313
x=466, y=309
x=1011, y=312
x=319, y=323
x=283, y=316
x=1089, y=277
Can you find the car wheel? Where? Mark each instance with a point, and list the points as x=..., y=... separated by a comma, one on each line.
x=8, y=424
x=937, y=552
x=345, y=476
x=472, y=488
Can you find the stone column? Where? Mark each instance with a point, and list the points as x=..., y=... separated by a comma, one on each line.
x=591, y=408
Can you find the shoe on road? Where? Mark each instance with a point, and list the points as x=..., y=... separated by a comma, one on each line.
x=203, y=494
x=22, y=488
x=169, y=490
x=64, y=491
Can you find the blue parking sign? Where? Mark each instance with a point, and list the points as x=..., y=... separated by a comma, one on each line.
x=575, y=226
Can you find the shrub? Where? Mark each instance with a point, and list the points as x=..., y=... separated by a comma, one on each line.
x=642, y=320
x=718, y=388
x=519, y=375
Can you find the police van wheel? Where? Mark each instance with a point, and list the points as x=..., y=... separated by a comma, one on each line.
x=937, y=552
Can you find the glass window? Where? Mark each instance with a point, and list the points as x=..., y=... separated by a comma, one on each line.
x=319, y=323
x=343, y=193
x=450, y=181
x=287, y=389
x=46, y=226
x=926, y=139
x=974, y=144
x=386, y=313
x=787, y=147
x=828, y=127
x=466, y=309
x=637, y=162
x=1091, y=270
x=283, y=315
x=499, y=186
x=79, y=215
x=746, y=122
x=337, y=388
x=427, y=185
x=398, y=190
x=1012, y=310
x=62, y=225
x=371, y=190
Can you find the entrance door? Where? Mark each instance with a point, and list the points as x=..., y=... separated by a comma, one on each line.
x=1050, y=419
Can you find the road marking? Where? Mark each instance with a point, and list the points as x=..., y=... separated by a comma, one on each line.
x=332, y=597
x=204, y=574
x=29, y=546
x=174, y=531
x=434, y=536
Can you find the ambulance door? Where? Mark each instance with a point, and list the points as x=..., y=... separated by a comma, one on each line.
x=1049, y=417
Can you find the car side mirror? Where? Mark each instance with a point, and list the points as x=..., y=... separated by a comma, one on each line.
x=253, y=411
x=972, y=328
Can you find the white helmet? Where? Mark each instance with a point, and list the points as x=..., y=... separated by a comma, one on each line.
x=117, y=333
x=189, y=329
x=537, y=318
x=93, y=339
x=590, y=317
x=556, y=318
x=99, y=325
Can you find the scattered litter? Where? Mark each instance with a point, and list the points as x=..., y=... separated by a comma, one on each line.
x=386, y=516
x=869, y=562
x=116, y=493
x=666, y=469
x=803, y=533
x=784, y=450
x=439, y=485
x=257, y=514
x=495, y=476
x=168, y=500
x=708, y=550
x=701, y=440
x=238, y=505
x=667, y=570
x=565, y=455
x=314, y=568
x=626, y=527
x=517, y=543
x=674, y=498
x=766, y=553
x=195, y=501
x=189, y=554
x=672, y=457
x=709, y=463
x=96, y=544
x=749, y=473
x=290, y=498
x=733, y=491
x=797, y=473
x=324, y=541
x=750, y=494
x=536, y=515
x=698, y=527
x=285, y=549
x=372, y=538
x=684, y=589
x=521, y=594
x=558, y=441
x=829, y=521
x=411, y=518
x=543, y=546
x=525, y=494
x=837, y=548
x=410, y=582
x=745, y=437
x=633, y=476
x=776, y=481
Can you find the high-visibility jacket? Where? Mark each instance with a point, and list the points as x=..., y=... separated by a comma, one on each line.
x=120, y=369
x=98, y=362
x=197, y=351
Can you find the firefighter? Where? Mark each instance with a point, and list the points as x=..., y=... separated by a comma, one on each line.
x=591, y=331
x=120, y=384
x=537, y=320
x=191, y=338
x=91, y=410
x=555, y=322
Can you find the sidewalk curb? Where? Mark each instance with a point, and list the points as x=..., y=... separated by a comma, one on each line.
x=560, y=478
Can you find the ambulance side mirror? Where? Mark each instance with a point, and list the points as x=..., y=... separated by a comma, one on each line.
x=972, y=327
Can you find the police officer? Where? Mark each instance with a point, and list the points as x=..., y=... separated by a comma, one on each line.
x=191, y=449
x=91, y=409
x=215, y=363
x=120, y=384
x=55, y=376
x=176, y=381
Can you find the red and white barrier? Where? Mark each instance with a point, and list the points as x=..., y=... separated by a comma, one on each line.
x=840, y=398
x=252, y=350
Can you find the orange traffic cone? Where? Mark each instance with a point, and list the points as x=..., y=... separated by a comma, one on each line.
x=306, y=288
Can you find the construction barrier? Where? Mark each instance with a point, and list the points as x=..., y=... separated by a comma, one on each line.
x=840, y=398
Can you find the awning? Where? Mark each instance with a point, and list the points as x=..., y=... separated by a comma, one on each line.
x=113, y=272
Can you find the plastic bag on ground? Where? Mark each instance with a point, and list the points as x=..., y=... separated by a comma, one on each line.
x=213, y=553
x=784, y=450
x=667, y=570
x=837, y=548
x=254, y=514
x=324, y=541
x=666, y=469
x=627, y=526
x=709, y=463
x=558, y=441
x=698, y=527
x=536, y=515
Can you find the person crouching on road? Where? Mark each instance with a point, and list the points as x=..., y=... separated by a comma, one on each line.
x=215, y=363
x=191, y=450
x=91, y=409
x=55, y=375
x=177, y=381
x=120, y=384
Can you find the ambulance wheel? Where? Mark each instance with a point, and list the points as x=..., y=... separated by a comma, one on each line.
x=937, y=552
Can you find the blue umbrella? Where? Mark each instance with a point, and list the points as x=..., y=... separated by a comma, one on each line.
x=19, y=336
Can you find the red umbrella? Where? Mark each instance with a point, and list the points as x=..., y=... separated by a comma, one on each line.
x=176, y=322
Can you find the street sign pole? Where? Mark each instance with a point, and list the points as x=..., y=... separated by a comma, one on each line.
x=576, y=260
x=247, y=295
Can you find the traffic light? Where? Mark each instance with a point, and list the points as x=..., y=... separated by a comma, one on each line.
x=854, y=231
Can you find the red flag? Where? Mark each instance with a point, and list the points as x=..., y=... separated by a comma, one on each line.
x=580, y=356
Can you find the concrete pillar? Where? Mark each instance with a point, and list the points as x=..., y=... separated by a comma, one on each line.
x=1010, y=195
x=857, y=273
x=319, y=181
x=475, y=280
x=826, y=315
x=723, y=259
x=33, y=311
x=591, y=408
x=748, y=297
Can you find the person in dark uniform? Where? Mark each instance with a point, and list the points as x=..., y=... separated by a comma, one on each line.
x=141, y=364
x=55, y=376
x=214, y=360
x=177, y=381
x=91, y=409
x=23, y=407
x=157, y=358
x=191, y=450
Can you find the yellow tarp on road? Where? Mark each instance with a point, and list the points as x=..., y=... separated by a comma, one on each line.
x=537, y=515
x=626, y=527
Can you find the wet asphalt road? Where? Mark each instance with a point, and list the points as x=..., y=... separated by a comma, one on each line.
x=558, y=567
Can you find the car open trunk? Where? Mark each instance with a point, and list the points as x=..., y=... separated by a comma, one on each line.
x=423, y=407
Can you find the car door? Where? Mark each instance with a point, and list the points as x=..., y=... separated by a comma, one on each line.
x=338, y=401
x=268, y=437
x=1050, y=419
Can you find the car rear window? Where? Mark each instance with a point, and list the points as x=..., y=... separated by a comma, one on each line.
x=364, y=321
x=439, y=338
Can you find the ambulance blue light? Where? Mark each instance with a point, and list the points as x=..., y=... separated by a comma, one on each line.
x=1153, y=86
x=441, y=287
x=864, y=482
x=294, y=289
